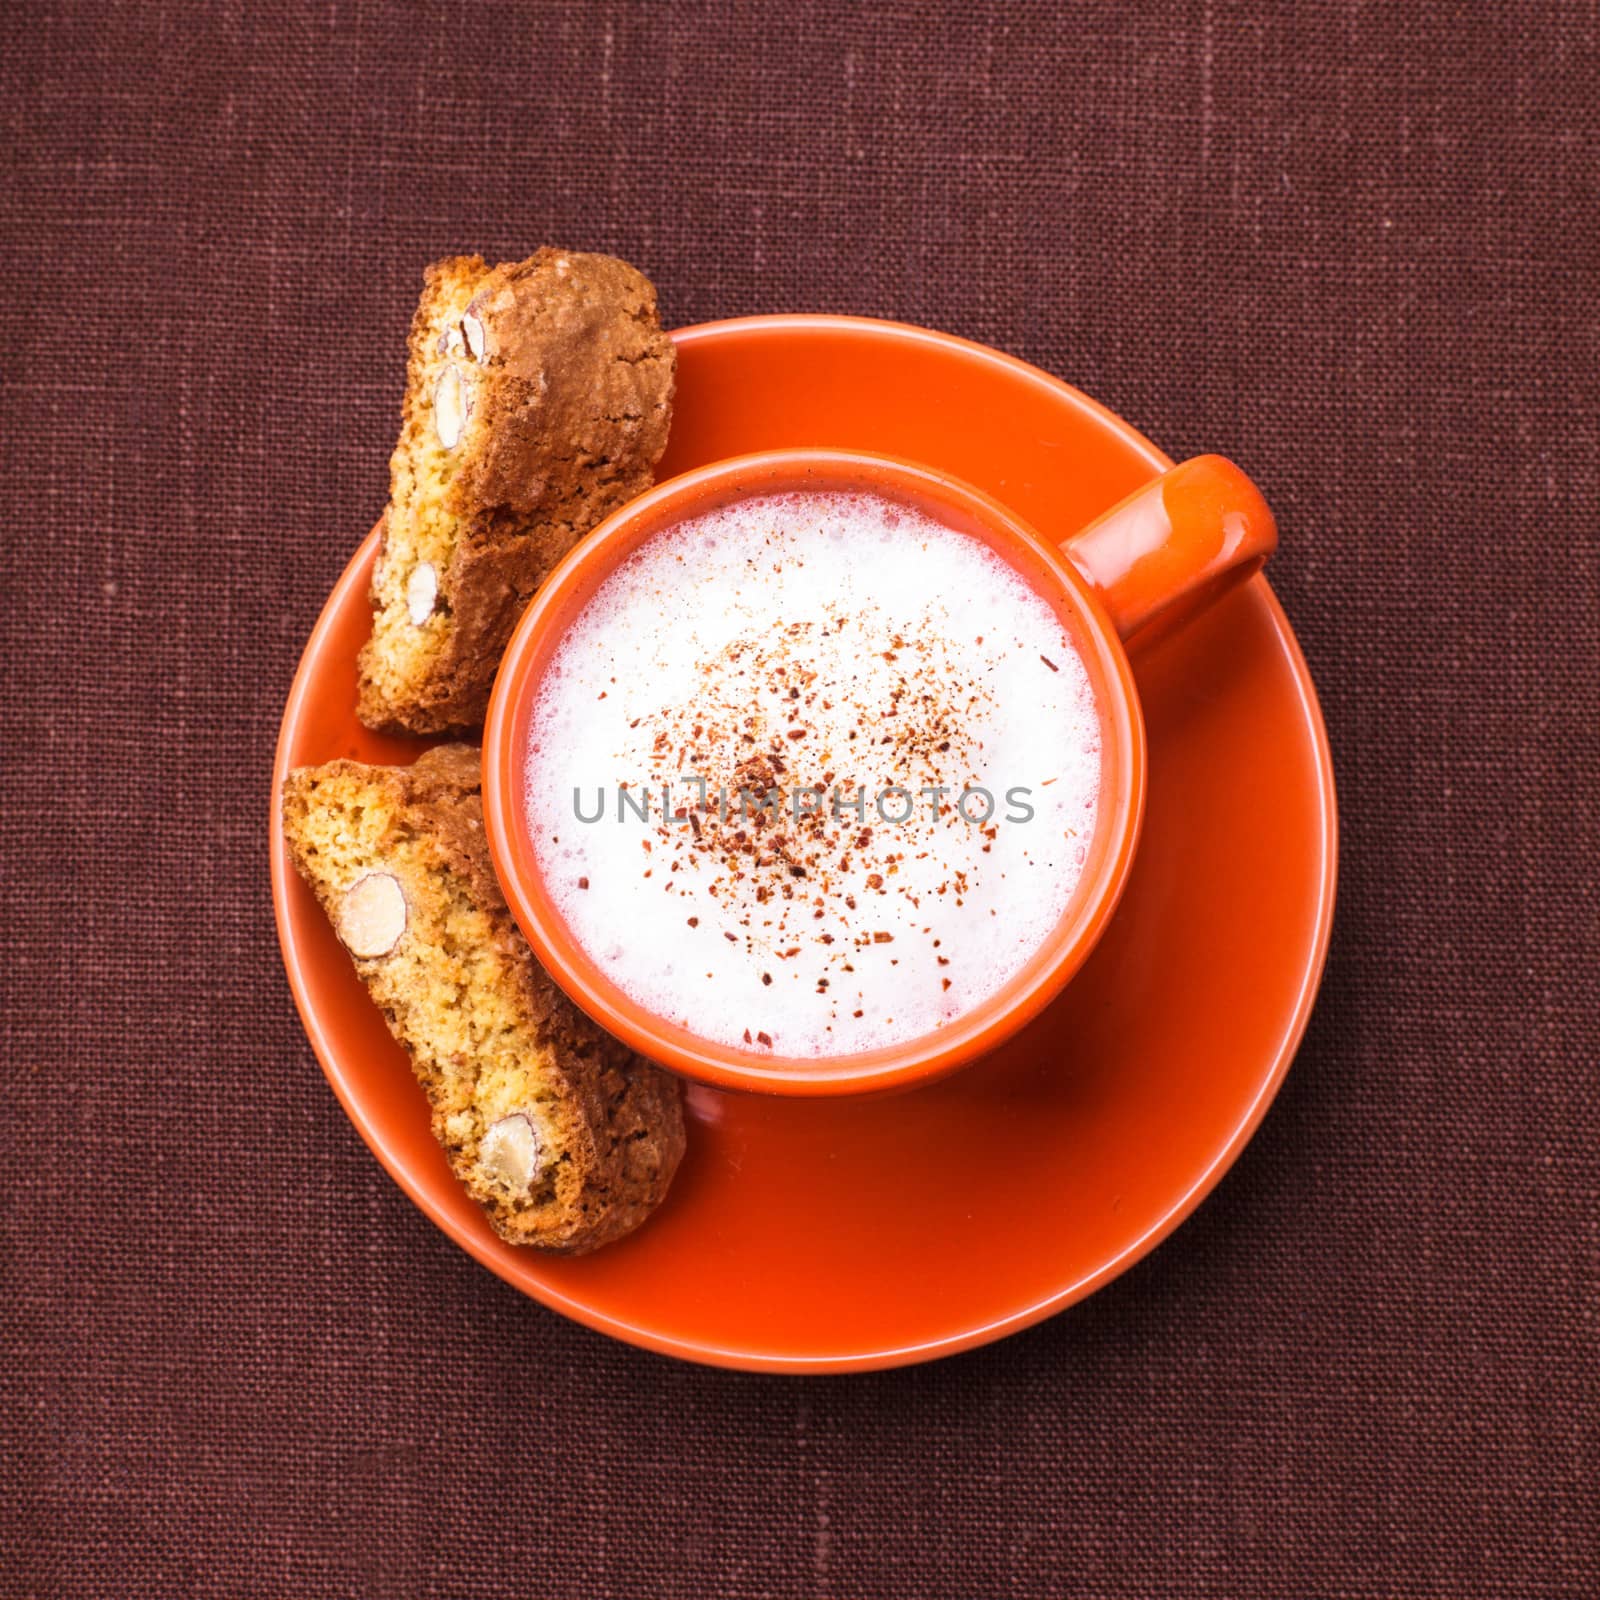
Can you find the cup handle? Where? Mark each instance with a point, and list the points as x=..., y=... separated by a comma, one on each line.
x=1174, y=547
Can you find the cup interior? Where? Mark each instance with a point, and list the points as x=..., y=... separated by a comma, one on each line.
x=568, y=591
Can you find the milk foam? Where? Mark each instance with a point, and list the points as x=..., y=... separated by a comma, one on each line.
x=835, y=640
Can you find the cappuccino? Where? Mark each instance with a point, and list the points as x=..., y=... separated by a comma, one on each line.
x=813, y=773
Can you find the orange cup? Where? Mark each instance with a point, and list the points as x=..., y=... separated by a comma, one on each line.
x=1136, y=573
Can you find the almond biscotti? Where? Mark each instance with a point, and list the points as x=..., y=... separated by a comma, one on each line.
x=566, y=1137
x=538, y=397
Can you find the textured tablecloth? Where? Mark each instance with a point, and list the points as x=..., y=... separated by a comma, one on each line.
x=1354, y=246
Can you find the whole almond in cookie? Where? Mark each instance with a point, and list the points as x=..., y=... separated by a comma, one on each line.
x=509, y=1151
x=372, y=915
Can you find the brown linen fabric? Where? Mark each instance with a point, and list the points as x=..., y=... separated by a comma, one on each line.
x=1353, y=246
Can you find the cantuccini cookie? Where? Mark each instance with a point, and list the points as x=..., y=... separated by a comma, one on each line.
x=566, y=1137
x=538, y=398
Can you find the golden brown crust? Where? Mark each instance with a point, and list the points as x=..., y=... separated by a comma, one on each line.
x=567, y=382
x=490, y=1035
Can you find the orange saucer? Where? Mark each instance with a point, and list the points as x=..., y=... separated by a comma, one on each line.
x=849, y=1233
